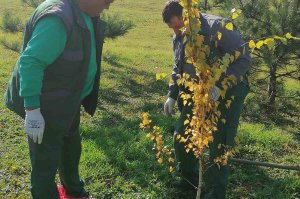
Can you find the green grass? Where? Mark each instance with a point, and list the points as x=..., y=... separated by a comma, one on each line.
x=117, y=161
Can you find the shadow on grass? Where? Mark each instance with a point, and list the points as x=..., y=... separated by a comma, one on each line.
x=129, y=154
x=126, y=75
x=256, y=182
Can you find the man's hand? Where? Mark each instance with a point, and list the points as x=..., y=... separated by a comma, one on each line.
x=214, y=93
x=34, y=125
x=169, y=106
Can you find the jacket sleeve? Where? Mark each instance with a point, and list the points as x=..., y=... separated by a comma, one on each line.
x=46, y=44
x=173, y=86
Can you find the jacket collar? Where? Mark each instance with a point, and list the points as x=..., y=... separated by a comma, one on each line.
x=77, y=14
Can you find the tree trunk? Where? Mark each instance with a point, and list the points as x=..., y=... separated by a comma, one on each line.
x=200, y=182
x=205, y=4
x=272, y=90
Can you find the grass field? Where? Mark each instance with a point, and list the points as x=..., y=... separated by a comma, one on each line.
x=117, y=161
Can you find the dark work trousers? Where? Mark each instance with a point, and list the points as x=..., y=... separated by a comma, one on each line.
x=59, y=151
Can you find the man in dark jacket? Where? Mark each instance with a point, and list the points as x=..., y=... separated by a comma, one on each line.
x=57, y=72
x=215, y=177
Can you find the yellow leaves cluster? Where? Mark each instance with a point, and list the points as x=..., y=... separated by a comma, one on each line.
x=259, y=44
x=289, y=36
x=145, y=124
x=229, y=152
x=228, y=103
x=187, y=3
x=270, y=42
x=235, y=13
x=155, y=135
x=201, y=126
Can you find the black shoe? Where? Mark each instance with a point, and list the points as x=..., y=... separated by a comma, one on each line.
x=83, y=194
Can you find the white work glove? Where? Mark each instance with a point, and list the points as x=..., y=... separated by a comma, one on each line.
x=35, y=125
x=214, y=93
x=169, y=106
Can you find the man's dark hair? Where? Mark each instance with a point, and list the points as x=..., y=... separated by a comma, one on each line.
x=172, y=8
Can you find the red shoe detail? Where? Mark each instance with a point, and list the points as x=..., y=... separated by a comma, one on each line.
x=63, y=195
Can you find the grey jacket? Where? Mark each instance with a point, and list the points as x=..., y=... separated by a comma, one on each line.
x=231, y=41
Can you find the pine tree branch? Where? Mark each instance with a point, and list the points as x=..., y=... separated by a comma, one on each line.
x=265, y=164
x=10, y=47
x=287, y=74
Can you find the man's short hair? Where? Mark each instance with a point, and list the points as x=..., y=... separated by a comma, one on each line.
x=172, y=8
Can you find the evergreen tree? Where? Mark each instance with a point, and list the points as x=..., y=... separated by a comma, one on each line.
x=274, y=65
x=116, y=26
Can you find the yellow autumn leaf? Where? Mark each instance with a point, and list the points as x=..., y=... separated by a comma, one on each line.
x=165, y=150
x=171, y=168
x=282, y=39
x=231, y=58
x=259, y=44
x=277, y=37
x=289, y=36
x=170, y=160
x=144, y=115
x=186, y=122
x=219, y=35
x=159, y=160
x=229, y=26
x=270, y=42
x=237, y=54
x=185, y=102
x=235, y=13
x=182, y=139
x=205, y=142
x=234, y=16
x=190, y=145
x=158, y=154
x=228, y=103
x=224, y=161
x=252, y=44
